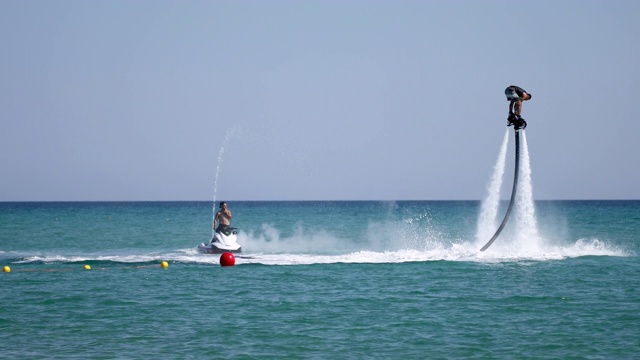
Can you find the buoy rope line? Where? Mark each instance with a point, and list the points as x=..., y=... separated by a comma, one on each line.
x=163, y=265
x=226, y=260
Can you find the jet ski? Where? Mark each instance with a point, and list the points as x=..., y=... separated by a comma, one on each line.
x=224, y=240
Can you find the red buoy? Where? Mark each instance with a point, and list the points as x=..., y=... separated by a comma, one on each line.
x=227, y=259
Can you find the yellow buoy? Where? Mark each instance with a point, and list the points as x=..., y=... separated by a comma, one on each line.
x=6, y=269
x=87, y=267
x=164, y=264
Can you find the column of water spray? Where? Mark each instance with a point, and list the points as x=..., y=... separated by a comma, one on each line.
x=526, y=223
x=487, y=223
x=227, y=137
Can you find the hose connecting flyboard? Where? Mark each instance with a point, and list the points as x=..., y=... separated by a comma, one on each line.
x=513, y=192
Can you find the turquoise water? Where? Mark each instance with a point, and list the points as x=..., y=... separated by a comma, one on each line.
x=317, y=280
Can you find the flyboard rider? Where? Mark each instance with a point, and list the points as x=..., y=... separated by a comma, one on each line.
x=516, y=95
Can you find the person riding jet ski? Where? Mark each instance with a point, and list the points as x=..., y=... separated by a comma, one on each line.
x=223, y=218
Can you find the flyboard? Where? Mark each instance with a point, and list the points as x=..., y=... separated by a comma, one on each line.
x=518, y=123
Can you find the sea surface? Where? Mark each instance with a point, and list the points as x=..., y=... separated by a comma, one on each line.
x=319, y=280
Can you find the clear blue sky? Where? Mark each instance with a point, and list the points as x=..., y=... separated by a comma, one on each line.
x=326, y=100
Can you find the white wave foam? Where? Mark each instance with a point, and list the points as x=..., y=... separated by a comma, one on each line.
x=466, y=252
x=277, y=254
x=407, y=240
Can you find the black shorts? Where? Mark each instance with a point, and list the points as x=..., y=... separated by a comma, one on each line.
x=222, y=228
x=512, y=94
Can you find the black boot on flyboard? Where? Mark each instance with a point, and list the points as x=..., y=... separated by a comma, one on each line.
x=517, y=121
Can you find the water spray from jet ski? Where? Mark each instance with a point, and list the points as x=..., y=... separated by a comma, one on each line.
x=225, y=238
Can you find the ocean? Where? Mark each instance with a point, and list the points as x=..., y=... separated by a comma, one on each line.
x=321, y=279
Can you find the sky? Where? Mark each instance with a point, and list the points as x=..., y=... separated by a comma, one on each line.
x=314, y=100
